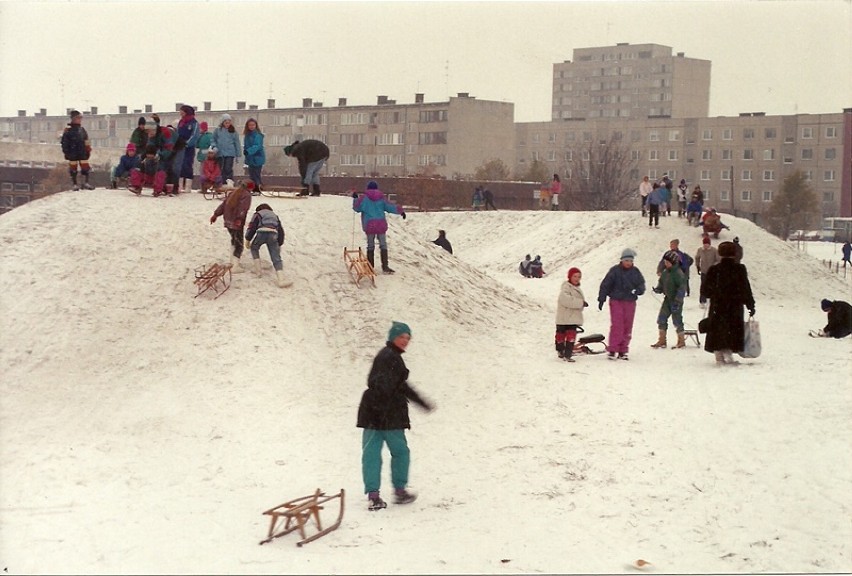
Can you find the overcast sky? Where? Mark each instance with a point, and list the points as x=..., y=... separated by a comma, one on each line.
x=778, y=57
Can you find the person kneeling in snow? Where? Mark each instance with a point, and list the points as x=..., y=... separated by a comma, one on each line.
x=265, y=228
x=839, y=319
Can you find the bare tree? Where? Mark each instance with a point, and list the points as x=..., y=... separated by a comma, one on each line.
x=537, y=172
x=795, y=207
x=599, y=175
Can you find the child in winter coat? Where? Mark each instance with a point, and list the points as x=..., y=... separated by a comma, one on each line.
x=211, y=174
x=524, y=266
x=227, y=142
x=266, y=229
x=234, y=208
x=682, y=190
x=672, y=285
x=569, y=314
x=372, y=206
x=76, y=148
x=144, y=175
x=188, y=131
x=139, y=137
x=126, y=164
x=253, y=150
x=623, y=284
x=693, y=211
x=204, y=140
x=536, y=268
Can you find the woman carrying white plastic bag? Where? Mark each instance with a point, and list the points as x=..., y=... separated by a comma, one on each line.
x=751, y=339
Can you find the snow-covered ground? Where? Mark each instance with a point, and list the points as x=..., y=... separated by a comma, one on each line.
x=143, y=430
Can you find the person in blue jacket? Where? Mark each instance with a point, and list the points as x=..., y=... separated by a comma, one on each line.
x=126, y=164
x=227, y=141
x=372, y=206
x=254, y=153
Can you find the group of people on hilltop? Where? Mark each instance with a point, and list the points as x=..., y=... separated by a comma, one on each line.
x=656, y=200
x=483, y=197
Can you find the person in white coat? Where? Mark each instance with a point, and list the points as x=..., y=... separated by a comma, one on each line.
x=569, y=314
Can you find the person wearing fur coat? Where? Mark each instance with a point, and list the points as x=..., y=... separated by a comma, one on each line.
x=569, y=314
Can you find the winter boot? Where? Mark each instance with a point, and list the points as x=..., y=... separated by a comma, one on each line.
x=402, y=496
x=385, y=268
x=256, y=267
x=560, y=349
x=86, y=184
x=282, y=282
x=235, y=265
x=114, y=184
x=376, y=502
x=661, y=341
x=305, y=190
x=729, y=357
x=316, y=191
x=569, y=351
x=720, y=358
x=371, y=258
x=681, y=341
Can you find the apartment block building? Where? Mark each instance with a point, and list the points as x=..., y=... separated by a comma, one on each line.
x=448, y=138
x=630, y=81
x=740, y=161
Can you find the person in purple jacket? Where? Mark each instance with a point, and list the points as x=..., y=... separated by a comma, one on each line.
x=372, y=206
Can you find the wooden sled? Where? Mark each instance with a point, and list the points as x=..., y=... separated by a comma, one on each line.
x=358, y=266
x=694, y=335
x=291, y=192
x=214, y=276
x=298, y=512
x=215, y=192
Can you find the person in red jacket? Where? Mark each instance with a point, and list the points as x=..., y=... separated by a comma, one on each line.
x=234, y=208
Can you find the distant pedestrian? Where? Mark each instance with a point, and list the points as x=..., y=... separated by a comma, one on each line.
x=645, y=188
x=839, y=319
x=623, y=284
x=555, y=190
x=655, y=201
x=383, y=416
x=488, y=196
x=537, y=268
x=77, y=149
x=312, y=155
x=847, y=252
x=682, y=190
x=442, y=241
x=477, y=200
x=706, y=257
x=524, y=266
x=139, y=136
x=189, y=132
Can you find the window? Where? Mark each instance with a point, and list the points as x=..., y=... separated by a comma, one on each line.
x=828, y=175
x=831, y=132
x=654, y=136
x=587, y=136
x=653, y=155
x=748, y=154
x=635, y=135
x=433, y=116
x=723, y=196
x=674, y=135
x=345, y=119
x=570, y=136
x=807, y=153
x=536, y=138
x=788, y=159
x=748, y=133
x=706, y=154
x=808, y=175
x=536, y=156
x=727, y=134
x=551, y=156
x=767, y=195
x=569, y=155
x=707, y=134
x=672, y=155
x=746, y=175
x=769, y=154
x=635, y=154
x=705, y=175
x=745, y=195
x=726, y=155
x=768, y=175
x=652, y=174
x=432, y=138
x=585, y=156
x=828, y=196
x=725, y=175
x=807, y=133
x=390, y=139
x=830, y=153
x=769, y=133
x=351, y=139
x=551, y=137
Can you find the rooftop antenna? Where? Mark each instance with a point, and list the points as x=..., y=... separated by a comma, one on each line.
x=447, y=77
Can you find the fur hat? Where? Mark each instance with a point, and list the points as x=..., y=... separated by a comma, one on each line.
x=628, y=254
x=397, y=329
x=825, y=304
x=727, y=250
x=572, y=271
x=372, y=185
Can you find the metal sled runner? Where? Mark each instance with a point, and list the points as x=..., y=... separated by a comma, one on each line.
x=358, y=266
x=292, y=192
x=298, y=512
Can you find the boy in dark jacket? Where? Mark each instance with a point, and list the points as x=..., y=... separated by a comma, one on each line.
x=126, y=164
x=76, y=148
x=839, y=319
x=383, y=414
x=265, y=229
x=311, y=155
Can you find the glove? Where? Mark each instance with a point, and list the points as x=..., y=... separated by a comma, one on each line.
x=751, y=312
x=248, y=244
x=245, y=166
x=600, y=304
x=585, y=304
x=354, y=195
x=156, y=118
x=657, y=290
x=213, y=219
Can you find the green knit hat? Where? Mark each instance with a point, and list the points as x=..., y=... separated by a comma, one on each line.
x=398, y=328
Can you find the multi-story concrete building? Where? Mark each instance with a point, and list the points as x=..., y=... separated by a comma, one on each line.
x=630, y=81
x=448, y=138
x=739, y=161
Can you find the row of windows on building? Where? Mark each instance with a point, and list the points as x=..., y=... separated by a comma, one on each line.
x=674, y=135
x=769, y=155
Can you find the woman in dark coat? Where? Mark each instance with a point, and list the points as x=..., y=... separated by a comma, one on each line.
x=383, y=414
x=728, y=289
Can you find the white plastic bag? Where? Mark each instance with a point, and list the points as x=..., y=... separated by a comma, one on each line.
x=751, y=339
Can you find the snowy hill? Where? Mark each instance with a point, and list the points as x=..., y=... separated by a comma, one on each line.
x=144, y=430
